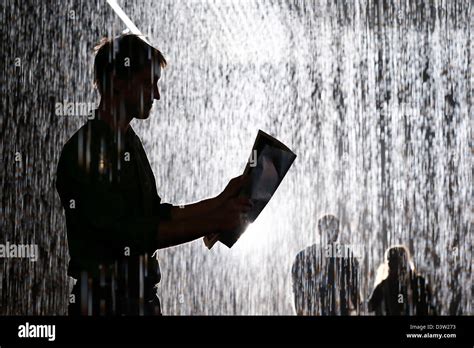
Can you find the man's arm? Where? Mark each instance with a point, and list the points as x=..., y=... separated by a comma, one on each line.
x=298, y=284
x=219, y=214
x=175, y=232
x=225, y=218
x=354, y=283
x=195, y=209
x=207, y=206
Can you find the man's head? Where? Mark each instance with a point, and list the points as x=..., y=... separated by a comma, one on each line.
x=399, y=260
x=328, y=227
x=126, y=71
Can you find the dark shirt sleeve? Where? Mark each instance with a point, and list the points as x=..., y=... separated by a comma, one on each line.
x=162, y=210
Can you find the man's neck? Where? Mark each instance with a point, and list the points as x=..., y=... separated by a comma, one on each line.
x=114, y=116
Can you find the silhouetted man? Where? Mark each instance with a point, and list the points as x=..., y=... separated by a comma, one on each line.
x=399, y=289
x=115, y=218
x=325, y=275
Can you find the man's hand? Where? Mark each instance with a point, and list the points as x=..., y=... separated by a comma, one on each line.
x=234, y=187
x=231, y=214
x=227, y=217
x=224, y=213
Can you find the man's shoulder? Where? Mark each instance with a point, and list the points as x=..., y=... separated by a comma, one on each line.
x=88, y=135
x=308, y=253
x=72, y=144
x=81, y=150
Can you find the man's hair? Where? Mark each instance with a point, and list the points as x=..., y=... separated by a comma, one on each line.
x=123, y=57
x=329, y=224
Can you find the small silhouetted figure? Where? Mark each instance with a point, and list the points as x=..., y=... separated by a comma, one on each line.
x=115, y=219
x=399, y=289
x=325, y=276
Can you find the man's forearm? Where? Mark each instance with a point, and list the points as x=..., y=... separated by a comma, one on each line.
x=178, y=231
x=196, y=209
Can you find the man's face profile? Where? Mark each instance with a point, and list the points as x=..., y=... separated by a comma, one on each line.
x=328, y=227
x=138, y=94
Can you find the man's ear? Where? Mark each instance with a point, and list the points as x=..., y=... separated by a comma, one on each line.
x=118, y=86
x=123, y=86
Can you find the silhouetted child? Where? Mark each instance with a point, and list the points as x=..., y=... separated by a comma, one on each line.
x=399, y=290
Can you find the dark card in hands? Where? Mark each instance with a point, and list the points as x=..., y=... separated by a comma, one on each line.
x=268, y=164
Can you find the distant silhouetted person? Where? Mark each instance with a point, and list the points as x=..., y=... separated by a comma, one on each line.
x=325, y=276
x=399, y=290
x=115, y=218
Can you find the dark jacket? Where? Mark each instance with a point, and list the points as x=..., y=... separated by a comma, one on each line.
x=112, y=208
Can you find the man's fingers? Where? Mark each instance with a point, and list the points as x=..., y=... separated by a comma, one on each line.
x=245, y=179
x=240, y=177
x=244, y=201
x=241, y=180
x=242, y=205
x=245, y=208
